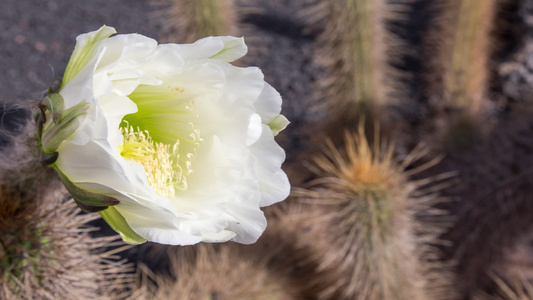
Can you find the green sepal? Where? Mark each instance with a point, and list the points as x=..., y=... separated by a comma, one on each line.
x=53, y=134
x=87, y=201
x=40, y=120
x=54, y=104
x=278, y=124
x=119, y=224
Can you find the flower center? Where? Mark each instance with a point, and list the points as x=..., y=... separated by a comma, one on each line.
x=162, y=136
x=160, y=161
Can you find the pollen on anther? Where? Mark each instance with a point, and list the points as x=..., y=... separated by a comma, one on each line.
x=160, y=161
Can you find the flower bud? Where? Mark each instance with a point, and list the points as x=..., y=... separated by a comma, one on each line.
x=54, y=104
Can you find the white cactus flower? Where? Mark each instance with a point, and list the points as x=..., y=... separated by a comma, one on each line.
x=181, y=139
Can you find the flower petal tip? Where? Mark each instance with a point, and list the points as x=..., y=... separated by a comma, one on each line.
x=278, y=124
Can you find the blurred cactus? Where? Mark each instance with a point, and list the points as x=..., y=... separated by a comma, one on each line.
x=185, y=21
x=289, y=246
x=460, y=46
x=208, y=271
x=515, y=289
x=376, y=246
x=353, y=52
x=47, y=252
x=466, y=77
x=494, y=213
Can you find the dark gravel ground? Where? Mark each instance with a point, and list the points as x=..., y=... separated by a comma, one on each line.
x=37, y=37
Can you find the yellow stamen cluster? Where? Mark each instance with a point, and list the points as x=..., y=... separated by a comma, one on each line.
x=160, y=161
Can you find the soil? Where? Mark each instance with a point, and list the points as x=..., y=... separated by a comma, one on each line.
x=37, y=37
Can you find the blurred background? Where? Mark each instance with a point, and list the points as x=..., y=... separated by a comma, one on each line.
x=410, y=152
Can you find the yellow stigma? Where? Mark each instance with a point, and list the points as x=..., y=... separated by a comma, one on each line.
x=160, y=161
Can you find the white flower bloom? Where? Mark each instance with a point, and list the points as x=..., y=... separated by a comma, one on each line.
x=182, y=138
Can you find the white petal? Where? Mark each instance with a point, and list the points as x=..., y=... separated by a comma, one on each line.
x=201, y=49
x=273, y=182
x=226, y=48
x=252, y=223
x=116, y=107
x=218, y=237
x=234, y=48
x=102, y=85
x=92, y=162
x=156, y=225
x=165, y=60
x=275, y=187
x=228, y=119
x=125, y=51
x=268, y=104
x=125, y=81
x=255, y=129
x=213, y=171
x=247, y=83
x=81, y=87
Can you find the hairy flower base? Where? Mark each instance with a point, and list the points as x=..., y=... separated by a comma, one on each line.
x=160, y=161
